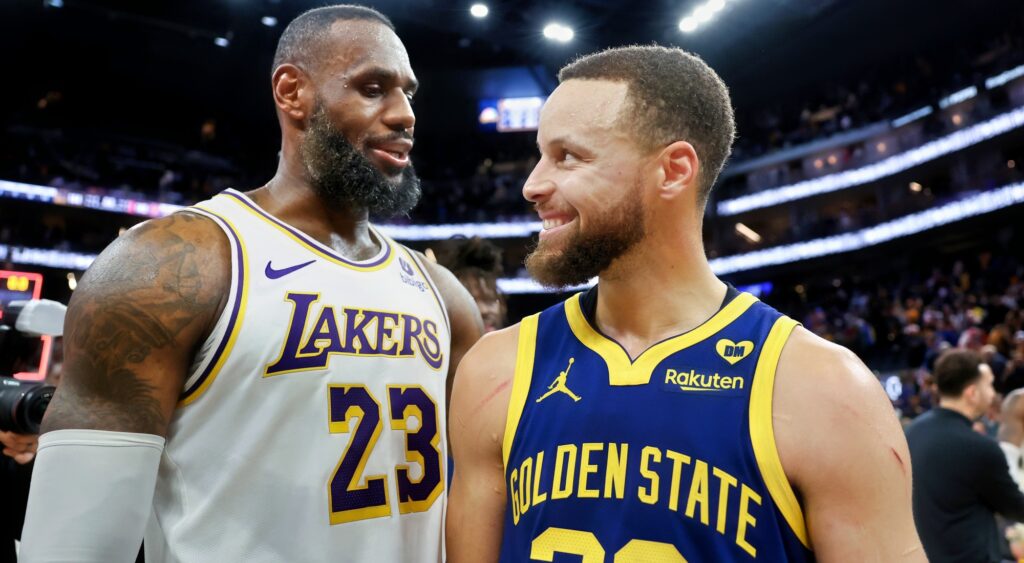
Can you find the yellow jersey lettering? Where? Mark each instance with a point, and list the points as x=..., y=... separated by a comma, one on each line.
x=565, y=460
x=615, y=472
x=699, y=492
x=724, y=482
x=525, y=482
x=587, y=468
x=649, y=454
x=672, y=376
x=538, y=497
x=745, y=519
x=678, y=460
x=513, y=478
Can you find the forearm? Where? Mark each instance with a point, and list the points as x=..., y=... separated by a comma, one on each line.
x=91, y=496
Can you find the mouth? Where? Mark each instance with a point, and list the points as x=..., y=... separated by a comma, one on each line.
x=554, y=225
x=393, y=155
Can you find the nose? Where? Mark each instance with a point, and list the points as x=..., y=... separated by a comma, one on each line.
x=399, y=115
x=538, y=186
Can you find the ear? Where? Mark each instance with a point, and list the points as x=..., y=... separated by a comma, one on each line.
x=679, y=166
x=293, y=92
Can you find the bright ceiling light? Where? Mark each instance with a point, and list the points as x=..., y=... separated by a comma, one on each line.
x=703, y=13
x=748, y=233
x=269, y=21
x=479, y=10
x=716, y=5
x=558, y=32
x=221, y=42
x=688, y=24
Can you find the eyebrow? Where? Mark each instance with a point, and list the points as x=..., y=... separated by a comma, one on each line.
x=386, y=75
x=566, y=140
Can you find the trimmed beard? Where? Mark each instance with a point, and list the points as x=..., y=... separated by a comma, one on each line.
x=587, y=254
x=343, y=177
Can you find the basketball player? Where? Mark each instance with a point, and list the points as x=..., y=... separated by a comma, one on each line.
x=661, y=416
x=268, y=362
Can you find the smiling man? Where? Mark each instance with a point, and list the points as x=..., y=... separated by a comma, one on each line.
x=661, y=416
x=262, y=376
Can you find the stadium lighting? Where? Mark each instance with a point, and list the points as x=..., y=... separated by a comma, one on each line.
x=269, y=21
x=966, y=137
x=221, y=42
x=748, y=233
x=701, y=15
x=1004, y=77
x=479, y=10
x=72, y=281
x=965, y=208
x=558, y=32
x=53, y=3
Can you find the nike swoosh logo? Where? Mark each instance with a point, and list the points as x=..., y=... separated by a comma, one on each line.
x=274, y=274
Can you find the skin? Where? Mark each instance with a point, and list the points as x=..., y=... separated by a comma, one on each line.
x=852, y=471
x=152, y=297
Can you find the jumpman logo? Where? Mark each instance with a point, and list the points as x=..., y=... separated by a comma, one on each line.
x=558, y=385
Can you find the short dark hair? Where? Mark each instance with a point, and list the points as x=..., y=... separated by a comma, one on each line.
x=305, y=34
x=471, y=257
x=955, y=370
x=673, y=95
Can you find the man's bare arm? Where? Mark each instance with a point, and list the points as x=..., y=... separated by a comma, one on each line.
x=476, y=505
x=134, y=323
x=844, y=452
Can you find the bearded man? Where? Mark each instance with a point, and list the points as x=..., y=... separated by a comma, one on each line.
x=262, y=376
x=661, y=416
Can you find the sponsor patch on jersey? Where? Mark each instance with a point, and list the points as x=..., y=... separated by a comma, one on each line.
x=692, y=381
x=409, y=275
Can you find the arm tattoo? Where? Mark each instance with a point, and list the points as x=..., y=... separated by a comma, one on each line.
x=139, y=300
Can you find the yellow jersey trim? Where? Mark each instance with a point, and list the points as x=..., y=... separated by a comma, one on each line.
x=381, y=261
x=243, y=272
x=762, y=431
x=520, y=382
x=624, y=371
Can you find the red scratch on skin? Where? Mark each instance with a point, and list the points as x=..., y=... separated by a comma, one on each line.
x=899, y=460
x=493, y=394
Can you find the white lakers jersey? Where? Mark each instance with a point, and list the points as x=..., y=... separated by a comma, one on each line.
x=312, y=425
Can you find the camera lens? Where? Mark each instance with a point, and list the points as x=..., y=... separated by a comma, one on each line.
x=22, y=405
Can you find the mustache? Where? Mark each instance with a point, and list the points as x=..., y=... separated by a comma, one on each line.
x=396, y=136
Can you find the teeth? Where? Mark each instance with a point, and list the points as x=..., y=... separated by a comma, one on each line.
x=552, y=223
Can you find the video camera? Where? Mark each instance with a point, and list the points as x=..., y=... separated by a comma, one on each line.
x=22, y=403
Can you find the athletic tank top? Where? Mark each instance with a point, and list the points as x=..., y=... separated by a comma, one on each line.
x=311, y=426
x=666, y=458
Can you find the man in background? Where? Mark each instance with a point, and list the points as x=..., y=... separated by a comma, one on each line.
x=961, y=480
x=476, y=262
x=1011, y=434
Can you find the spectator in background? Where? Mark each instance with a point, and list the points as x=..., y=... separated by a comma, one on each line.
x=477, y=264
x=1011, y=435
x=961, y=479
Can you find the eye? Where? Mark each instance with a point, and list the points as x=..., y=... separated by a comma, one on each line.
x=411, y=96
x=569, y=157
x=372, y=90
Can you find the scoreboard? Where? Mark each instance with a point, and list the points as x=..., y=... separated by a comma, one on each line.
x=22, y=356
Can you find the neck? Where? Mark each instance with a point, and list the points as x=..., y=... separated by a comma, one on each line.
x=291, y=197
x=960, y=406
x=659, y=289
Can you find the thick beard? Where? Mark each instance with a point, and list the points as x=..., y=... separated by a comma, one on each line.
x=587, y=254
x=344, y=178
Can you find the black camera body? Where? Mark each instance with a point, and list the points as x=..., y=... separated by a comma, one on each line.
x=22, y=404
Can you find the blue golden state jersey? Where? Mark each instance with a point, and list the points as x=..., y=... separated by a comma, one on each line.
x=669, y=457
